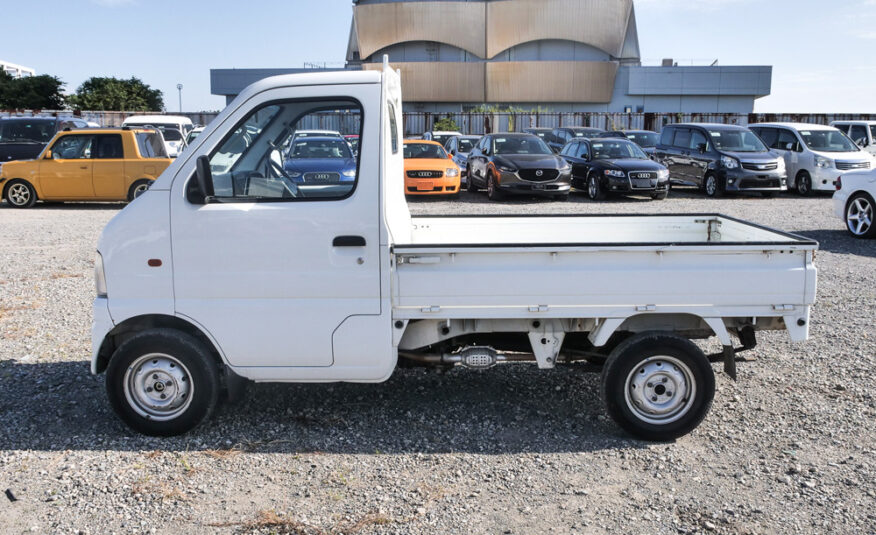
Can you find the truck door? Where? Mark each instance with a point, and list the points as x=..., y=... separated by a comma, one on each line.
x=289, y=250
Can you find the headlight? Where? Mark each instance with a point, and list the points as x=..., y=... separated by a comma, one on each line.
x=452, y=172
x=781, y=163
x=506, y=168
x=662, y=174
x=565, y=167
x=349, y=174
x=823, y=162
x=99, y=276
x=729, y=163
x=614, y=173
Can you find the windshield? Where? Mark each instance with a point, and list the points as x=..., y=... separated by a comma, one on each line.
x=585, y=133
x=737, y=141
x=441, y=138
x=192, y=135
x=424, y=151
x=17, y=130
x=828, y=141
x=466, y=145
x=169, y=133
x=520, y=145
x=617, y=150
x=643, y=140
x=320, y=148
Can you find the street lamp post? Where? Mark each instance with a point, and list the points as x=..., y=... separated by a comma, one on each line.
x=179, y=88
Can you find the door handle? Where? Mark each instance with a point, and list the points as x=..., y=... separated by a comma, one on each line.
x=84, y=167
x=348, y=241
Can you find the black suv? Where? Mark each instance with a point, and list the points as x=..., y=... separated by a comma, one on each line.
x=24, y=138
x=720, y=158
x=561, y=136
x=517, y=163
x=546, y=134
x=604, y=166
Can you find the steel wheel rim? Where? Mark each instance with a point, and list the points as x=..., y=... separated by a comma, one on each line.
x=592, y=188
x=660, y=390
x=859, y=217
x=158, y=387
x=711, y=186
x=140, y=190
x=803, y=187
x=19, y=194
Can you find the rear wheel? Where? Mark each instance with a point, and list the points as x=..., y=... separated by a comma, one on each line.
x=493, y=191
x=804, y=184
x=162, y=382
x=595, y=190
x=658, y=386
x=20, y=194
x=859, y=216
x=138, y=188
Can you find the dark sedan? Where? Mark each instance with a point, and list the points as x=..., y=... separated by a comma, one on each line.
x=517, y=163
x=605, y=166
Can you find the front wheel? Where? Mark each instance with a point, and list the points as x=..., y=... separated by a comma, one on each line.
x=804, y=184
x=859, y=216
x=20, y=194
x=658, y=386
x=469, y=181
x=162, y=382
x=595, y=190
x=493, y=192
x=713, y=186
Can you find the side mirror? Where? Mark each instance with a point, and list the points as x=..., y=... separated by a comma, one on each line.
x=48, y=155
x=204, y=182
x=789, y=146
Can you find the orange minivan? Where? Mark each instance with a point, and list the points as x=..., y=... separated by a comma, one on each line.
x=429, y=170
x=97, y=164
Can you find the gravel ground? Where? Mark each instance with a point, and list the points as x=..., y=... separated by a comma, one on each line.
x=788, y=449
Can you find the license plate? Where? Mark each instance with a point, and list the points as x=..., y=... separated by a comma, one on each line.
x=425, y=186
x=538, y=186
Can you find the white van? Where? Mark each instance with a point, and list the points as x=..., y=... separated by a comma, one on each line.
x=175, y=128
x=815, y=155
x=862, y=132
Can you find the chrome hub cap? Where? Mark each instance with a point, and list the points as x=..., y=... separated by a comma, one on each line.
x=19, y=194
x=860, y=216
x=660, y=390
x=158, y=387
x=592, y=188
x=711, y=185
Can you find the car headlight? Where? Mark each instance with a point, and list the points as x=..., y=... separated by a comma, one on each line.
x=349, y=173
x=506, y=168
x=451, y=172
x=615, y=173
x=663, y=174
x=823, y=162
x=99, y=276
x=729, y=163
x=566, y=167
x=781, y=165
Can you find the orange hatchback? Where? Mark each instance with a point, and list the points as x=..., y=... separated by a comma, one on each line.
x=429, y=170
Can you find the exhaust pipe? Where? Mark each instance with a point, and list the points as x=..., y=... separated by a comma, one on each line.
x=474, y=358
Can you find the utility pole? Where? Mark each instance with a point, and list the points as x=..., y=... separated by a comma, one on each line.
x=179, y=88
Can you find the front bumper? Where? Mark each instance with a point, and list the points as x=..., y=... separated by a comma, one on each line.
x=744, y=180
x=627, y=185
x=824, y=179
x=512, y=183
x=432, y=186
x=101, y=325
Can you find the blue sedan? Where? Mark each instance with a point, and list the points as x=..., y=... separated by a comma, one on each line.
x=320, y=161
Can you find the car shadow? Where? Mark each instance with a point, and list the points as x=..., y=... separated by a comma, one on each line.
x=42, y=205
x=840, y=242
x=511, y=409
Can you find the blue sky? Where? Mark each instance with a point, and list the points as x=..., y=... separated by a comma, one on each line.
x=823, y=51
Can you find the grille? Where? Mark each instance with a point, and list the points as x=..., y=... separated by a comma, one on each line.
x=322, y=177
x=533, y=175
x=755, y=183
x=642, y=175
x=643, y=183
x=846, y=166
x=760, y=166
x=425, y=174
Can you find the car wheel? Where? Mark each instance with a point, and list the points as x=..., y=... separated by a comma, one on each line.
x=469, y=181
x=594, y=189
x=20, y=194
x=713, y=186
x=859, y=216
x=658, y=386
x=493, y=192
x=138, y=188
x=162, y=382
x=804, y=184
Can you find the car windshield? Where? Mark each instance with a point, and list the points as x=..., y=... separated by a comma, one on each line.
x=320, y=148
x=170, y=133
x=646, y=140
x=520, y=145
x=18, y=130
x=424, y=151
x=617, y=150
x=737, y=141
x=466, y=145
x=585, y=133
x=827, y=141
x=192, y=135
x=539, y=133
x=441, y=138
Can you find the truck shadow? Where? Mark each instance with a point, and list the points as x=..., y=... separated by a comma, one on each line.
x=72, y=206
x=512, y=409
x=840, y=242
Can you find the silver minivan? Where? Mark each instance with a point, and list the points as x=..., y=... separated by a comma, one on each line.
x=862, y=132
x=815, y=155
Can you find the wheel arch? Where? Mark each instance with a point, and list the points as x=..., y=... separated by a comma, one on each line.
x=697, y=326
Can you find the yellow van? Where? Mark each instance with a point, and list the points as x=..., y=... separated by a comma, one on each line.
x=107, y=164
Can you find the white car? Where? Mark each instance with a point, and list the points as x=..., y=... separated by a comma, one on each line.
x=440, y=136
x=815, y=155
x=854, y=203
x=174, y=128
x=862, y=132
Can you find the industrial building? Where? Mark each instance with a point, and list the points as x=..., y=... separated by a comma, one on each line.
x=557, y=55
x=16, y=71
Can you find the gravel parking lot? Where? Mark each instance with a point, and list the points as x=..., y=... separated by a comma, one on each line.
x=790, y=448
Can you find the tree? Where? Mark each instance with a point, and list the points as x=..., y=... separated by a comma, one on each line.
x=31, y=92
x=113, y=94
x=446, y=124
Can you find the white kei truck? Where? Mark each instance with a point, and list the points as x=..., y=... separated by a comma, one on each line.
x=250, y=260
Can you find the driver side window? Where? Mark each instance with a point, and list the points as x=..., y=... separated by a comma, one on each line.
x=72, y=147
x=290, y=151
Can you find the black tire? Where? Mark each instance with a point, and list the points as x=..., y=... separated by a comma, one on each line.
x=713, y=186
x=138, y=188
x=861, y=204
x=469, y=181
x=181, y=364
x=672, y=363
x=660, y=196
x=595, y=191
x=20, y=194
x=803, y=184
x=493, y=191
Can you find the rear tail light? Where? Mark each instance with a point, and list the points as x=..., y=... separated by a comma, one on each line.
x=839, y=183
